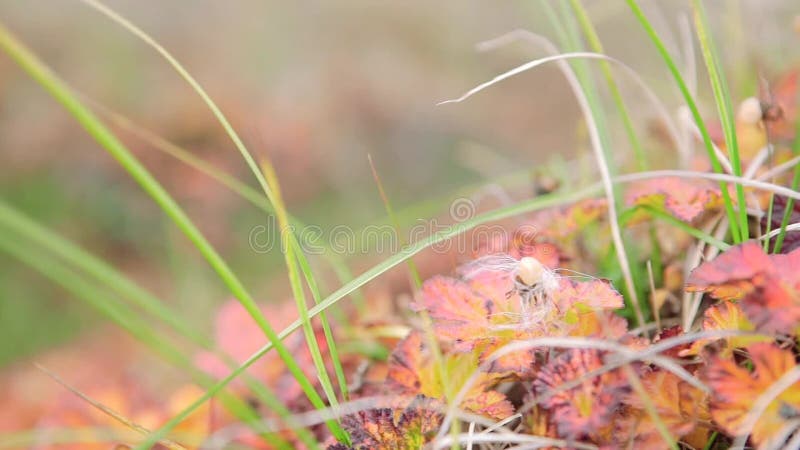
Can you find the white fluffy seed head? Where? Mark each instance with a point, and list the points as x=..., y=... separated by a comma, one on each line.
x=749, y=111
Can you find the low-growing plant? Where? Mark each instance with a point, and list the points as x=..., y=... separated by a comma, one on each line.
x=654, y=309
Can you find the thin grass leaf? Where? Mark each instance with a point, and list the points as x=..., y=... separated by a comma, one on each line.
x=597, y=47
x=429, y=334
x=588, y=97
x=724, y=107
x=97, y=268
x=787, y=213
x=336, y=430
x=412, y=268
x=626, y=216
x=698, y=119
x=291, y=258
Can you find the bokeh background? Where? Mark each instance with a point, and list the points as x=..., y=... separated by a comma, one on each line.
x=314, y=86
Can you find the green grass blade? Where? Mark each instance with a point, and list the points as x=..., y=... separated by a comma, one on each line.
x=427, y=324
x=597, y=124
x=291, y=257
x=787, y=213
x=677, y=223
x=42, y=74
x=596, y=46
x=412, y=268
x=724, y=107
x=692, y=105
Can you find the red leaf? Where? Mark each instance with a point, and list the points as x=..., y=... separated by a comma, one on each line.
x=768, y=285
x=388, y=428
x=588, y=407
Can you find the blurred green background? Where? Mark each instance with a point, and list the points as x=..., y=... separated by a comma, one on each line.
x=315, y=86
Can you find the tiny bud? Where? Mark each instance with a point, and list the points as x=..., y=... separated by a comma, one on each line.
x=530, y=270
x=749, y=111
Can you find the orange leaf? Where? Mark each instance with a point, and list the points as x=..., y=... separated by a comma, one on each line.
x=726, y=316
x=735, y=389
x=681, y=407
x=413, y=370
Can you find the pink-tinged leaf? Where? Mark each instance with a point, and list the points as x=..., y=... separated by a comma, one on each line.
x=490, y=404
x=593, y=294
x=237, y=335
x=684, y=199
x=588, y=407
x=731, y=275
x=460, y=314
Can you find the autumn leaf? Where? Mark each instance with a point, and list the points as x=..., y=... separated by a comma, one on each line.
x=768, y=286
x=391, y=429
x=593, y=294
x=414, y=371
x=481, y=316
x=681, y=407
x=685, y=199
x=460, y=314
x=587, y=408
x=735, y=389
x=726, y=316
